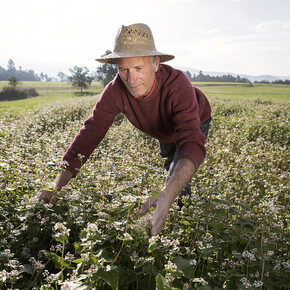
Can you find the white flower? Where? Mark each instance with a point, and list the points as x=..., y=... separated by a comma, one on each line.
x=175, y=243
x=92, y=227
x=62, y=229
x=65, y=286
x=170, y=266
x=153, y=239
x=69, y=257
x=134, y=257
x=3, y=275
x=81, y=157
x=286, y=264
x=85, y=256
x=258, y=284
x=246, y=282
x=165, y=241
x=250, y=256
x=127, y=236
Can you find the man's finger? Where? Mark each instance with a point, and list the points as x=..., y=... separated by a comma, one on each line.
x=47, y=196
x=53, y=200
x=157, y=222
x=44, y=195
x=159, y=216
x=151, y=201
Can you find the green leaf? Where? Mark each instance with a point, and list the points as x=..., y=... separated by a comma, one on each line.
x=142, y=167
x=161, y=283
x=26, y=268
x=186, y=266
x=186, y=223
x=78, y=261
x=152, y=247
x=57, y=260
x=111, y=277
x=61, y=238
x=217, y=226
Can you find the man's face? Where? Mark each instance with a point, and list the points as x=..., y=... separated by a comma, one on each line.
x=138, y=74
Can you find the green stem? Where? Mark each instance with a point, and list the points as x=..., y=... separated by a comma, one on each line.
x=62, y=257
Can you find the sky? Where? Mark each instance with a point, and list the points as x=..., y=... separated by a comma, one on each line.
x=249, y=37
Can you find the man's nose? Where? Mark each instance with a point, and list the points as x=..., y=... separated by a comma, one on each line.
x=131, y=77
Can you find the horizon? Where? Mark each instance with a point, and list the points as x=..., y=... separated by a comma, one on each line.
x=245, y=37
x=184, y=69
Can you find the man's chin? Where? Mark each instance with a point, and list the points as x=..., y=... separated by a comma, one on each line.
x=136, y=94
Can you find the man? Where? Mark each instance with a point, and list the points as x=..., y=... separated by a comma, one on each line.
x=158, y=100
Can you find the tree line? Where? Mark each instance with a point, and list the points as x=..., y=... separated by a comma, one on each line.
x=207, y=78
x=278, y=82
x=20, y=74
x=104, y=73
x=81, y=77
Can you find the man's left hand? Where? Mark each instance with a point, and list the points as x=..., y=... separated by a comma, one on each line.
x=162, y=203
x=182, y=173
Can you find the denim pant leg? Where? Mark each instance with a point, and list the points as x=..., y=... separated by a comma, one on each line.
x=172, y=153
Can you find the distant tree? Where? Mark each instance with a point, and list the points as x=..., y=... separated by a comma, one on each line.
x=200, y=77
x=22, y=75
x=63, y=77
x=14, y=82
x=188, y=74
x=281, y=82
x=11, y=67
x=44, y=77
x=207, y=78
x=3, y=74
x=80, y=77
x=106, y=72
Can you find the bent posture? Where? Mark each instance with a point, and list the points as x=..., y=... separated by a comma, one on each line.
x=158, y=100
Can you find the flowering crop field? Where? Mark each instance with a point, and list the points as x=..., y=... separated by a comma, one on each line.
x=232, y=233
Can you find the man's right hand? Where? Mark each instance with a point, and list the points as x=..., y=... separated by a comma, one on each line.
x=47, y=196
x=61, y=180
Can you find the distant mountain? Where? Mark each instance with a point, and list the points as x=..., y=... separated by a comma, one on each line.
x=260, y=78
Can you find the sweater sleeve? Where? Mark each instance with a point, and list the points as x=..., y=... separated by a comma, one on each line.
x=186, y=115
x=93, y=130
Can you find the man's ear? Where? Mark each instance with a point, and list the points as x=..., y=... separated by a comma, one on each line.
x=156, y=63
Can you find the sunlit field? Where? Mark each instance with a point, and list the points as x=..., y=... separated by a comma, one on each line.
x=232, y=233
x=49, y=92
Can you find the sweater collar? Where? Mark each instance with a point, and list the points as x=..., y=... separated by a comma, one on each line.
x=150, y=93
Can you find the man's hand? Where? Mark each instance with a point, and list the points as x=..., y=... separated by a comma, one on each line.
x=182, y=173
x=162, y=204
x=61, y=180
x=47, y=196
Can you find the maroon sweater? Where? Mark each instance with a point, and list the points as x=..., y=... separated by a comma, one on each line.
x=172, y=113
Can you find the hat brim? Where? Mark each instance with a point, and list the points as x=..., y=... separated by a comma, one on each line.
x=113, y=57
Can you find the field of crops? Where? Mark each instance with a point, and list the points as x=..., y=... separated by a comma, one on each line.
x=233, y=233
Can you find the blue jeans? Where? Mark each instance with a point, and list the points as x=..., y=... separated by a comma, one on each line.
x=171, y=153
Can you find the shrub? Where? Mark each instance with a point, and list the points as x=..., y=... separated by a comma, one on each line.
x=14, y=93
x=14, y=82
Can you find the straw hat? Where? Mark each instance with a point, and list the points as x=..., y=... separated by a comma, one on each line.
x=132, y=41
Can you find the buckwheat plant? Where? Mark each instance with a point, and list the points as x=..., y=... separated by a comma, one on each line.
x=231, y=233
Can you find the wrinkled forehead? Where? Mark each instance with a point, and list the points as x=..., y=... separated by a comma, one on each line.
x=134, y=61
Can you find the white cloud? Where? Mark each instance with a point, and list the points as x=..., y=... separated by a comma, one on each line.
x=264, y=49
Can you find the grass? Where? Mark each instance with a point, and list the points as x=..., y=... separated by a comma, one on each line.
x=235, y=91
x=49, y=93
